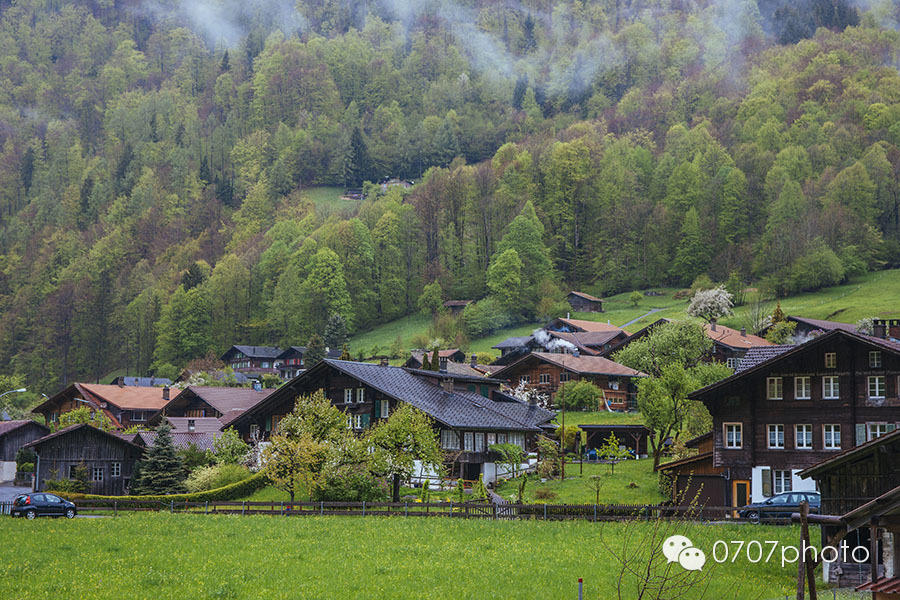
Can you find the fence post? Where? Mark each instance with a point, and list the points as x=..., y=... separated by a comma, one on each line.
x=595, y=513
x=206, y=507
x=171, y=506
x=243, y=507
x=321, y=508
x=545, y=511
x=364, y=508
x=282, y=508
x=406, y=509
x=115, y=508
x=451, y=509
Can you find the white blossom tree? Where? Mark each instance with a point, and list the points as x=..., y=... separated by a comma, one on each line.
x=711, y=305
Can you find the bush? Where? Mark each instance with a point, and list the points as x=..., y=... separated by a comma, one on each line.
x=818, y=268
x=211, y=478
x=64, y=486
x=544, y=493
x=235, y=491
x=25, y=468
x=352, y=484
x=484, y=317
x=580, y=394
x=194, y=457
x=25, y=455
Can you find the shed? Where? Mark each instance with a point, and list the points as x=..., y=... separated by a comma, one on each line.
x=583, y=302
x=13, y=436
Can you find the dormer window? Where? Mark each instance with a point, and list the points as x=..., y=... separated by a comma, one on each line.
x=830, y=360
x=875, y=359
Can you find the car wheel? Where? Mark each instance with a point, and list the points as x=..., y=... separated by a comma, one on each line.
x=30, y=514
x=70, y=513
x=753, y=517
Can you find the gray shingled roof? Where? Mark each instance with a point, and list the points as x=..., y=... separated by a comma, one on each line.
x=7, y=426
x=203, y=441
x=758, y=354
x=458, y=409
x=258, y=351
x=227, y=399
x=514, y=342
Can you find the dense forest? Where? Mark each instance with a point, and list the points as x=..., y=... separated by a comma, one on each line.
x=156, y=158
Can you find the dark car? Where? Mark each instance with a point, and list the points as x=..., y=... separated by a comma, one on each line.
x=42, y=505
x=780, y=506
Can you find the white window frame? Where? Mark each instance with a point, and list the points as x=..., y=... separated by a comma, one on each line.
x=831, y=436
x=385, y=409
x=518, y=439
x=490, y=440
x=348, y=395
x=564, y=377
x=501, y=438
x=876, y=430
x=479, y=442
x=733, y=363
x=874, y=359
x=738, y=429
x=357, y=421
x=115, y=470
x=781, y=481
x=468, y=441
x=97, y=474
x=805, y=428
x=544, y=378
x=879, y=382
x=779, y=442
x=525, y=379
x=831, y=387
x=800, y=383
x=360, y=395
x=778, y=384
x=449, y=439
x=138, y=416
x=831, y=360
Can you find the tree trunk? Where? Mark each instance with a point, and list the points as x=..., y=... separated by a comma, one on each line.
x=395, y=494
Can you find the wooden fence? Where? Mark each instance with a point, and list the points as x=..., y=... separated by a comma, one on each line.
x=464, y=510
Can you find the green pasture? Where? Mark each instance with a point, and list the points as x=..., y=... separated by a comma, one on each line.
x=160, y=556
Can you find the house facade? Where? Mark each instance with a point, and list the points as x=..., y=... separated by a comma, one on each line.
x=256, y=360
x=547, y=371
x=581, y=302
x=201, y=402
x=124, y=405
x=13, y=436
x=470, y=413
x=730, y=345
x=291, y=362
x=695, y=479
x=800, y=406
x=109, y=458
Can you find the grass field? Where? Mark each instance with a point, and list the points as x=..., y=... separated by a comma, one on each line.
x=161, y=557
x=873, y=294
x=617, y=488
x=330, y=200
x=601, y=417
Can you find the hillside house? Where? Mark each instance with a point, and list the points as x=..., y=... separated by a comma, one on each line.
x=470, y=413
x=13, y=436
x=255, y=360
x=109, y=458
x=581, y=302
x=224, y=404
x=450, y=356
x=546, y=371
x=591, y=338
x=730, y=345
x=456, y=306
x=799, y=406
x=124, y=405
x=291, y=362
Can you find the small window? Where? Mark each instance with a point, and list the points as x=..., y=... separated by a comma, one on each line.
x=449, y=439
x=781, y=481
x=254, y=431
x=98, y=474
x=733, y=363
x=875, y=359
x=525, y=379
x=115, y=470
x=831, y=435
x=192, y=425
x=733, y=436
x=774, y=389
x=830, y=389
x=830, y=360
x=876, y=386
x=803, y=437
x=360, y=395
x=468, y=441
x=479, y=442
x=348, y=396
x=73, y=474
x=357, y=422
x=501, y=438
x=545, y=377
x=349, y=421
x=491, y=439
x=564, y=376
x=802, y=388
x=876, y=430
x=776, y=437
x=385, y=409
x=137, y=415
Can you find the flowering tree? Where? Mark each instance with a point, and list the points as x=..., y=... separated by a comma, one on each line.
x=711, y=305
x=526, y=393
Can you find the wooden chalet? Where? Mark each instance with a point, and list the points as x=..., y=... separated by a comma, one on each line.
x=124, y=405
x=546, y=371
x=581, y=302
x=450, y=356
x=730, y=345
x=456, y=307
x=224, y=404
x=256, y=360
x=291, y=362
x=469, y=412
x=852, y=479
x=109, y=458
x=591, y=338
x=798, y=406
x=13, y=436
x=696, y=478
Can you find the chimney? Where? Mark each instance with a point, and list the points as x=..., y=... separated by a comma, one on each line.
x=121, y=382
x=879, y=328
x=743, y=332
x=474, y=362
x=384, y=362
x=712, y=325
x=191, y=425
x=443, y=364
x=166, y=393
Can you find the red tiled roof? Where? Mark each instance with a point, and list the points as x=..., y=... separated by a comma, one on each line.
x=593, y=326
x=733, y=338
x=589, y=365
x=128, y=397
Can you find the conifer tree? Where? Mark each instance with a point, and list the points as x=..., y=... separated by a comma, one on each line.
x=162, y=471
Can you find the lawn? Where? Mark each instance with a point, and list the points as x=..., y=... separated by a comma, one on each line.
x=162, y=556
x=330, y=200
x=617, y=487
x=600, y=417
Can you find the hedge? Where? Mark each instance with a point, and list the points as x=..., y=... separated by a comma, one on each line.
x=229, y=492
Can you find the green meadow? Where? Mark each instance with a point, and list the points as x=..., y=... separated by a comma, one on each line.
x=196, y=557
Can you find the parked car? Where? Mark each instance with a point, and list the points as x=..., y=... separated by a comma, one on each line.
x=780, y=506
x=42, y=505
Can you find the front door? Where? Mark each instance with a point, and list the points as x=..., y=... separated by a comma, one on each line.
x=740, y=494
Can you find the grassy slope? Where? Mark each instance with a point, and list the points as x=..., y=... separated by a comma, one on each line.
x=873, y=294
x=162, y=557
x=615, y=490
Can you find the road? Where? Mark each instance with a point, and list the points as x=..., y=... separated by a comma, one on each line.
x=9, y=492
x=652, y=310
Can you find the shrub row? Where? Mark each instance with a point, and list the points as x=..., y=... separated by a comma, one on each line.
x=234, y=491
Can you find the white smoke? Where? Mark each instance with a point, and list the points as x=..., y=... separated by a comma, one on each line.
x=552, y=344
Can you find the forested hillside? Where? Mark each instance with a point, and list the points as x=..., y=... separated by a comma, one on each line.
x=155, y=157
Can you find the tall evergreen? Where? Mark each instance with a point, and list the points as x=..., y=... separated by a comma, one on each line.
x=162, y=471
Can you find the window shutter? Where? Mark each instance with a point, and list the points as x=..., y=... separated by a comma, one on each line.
x=364, y=421
x=268, y=423
x=860, y=433
x=766, y=475
x=377, y=407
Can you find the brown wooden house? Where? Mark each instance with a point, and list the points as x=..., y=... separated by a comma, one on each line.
x=124, y=405
x=696, y=480
x=730, y=345
x=253, y=360
x=223, y=403
x=470, y=413
x=448, y=356
x=802, y=405
x=546, y=371
x=109, y=458
x=13, y=436
x=582, y=302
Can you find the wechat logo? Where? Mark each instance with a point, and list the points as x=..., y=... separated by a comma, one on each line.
x=678, y=548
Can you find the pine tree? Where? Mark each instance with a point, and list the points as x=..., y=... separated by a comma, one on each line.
x=162, y=471
x=426, y=362
x=315, y=349
x=435, y=361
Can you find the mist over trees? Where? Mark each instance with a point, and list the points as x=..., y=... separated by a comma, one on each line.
x=153, y=157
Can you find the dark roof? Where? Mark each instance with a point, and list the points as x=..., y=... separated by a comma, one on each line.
x=885, y=505
x=625, y=426
x=203, y=441
x=292, y=350
x=823, y=325
x=695, y=441
x=226, y=400
x=849, y=454
x=758, y=354
x=8, y=426
x=468, y=375
x=686, y=461
x=457, y=409
x=71, y=428
x=142, y=381
x=882, y=585
x=255, y=351
x=514, y=342
x=833, y=334
x=586, y=296
x=453, y=368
